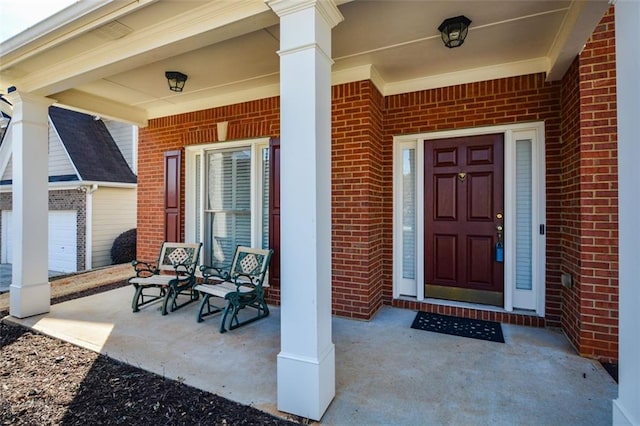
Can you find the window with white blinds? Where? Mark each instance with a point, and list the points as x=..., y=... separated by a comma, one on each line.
x=409, y=213
x=523, y=215
x=228, y=203
x=227, y=197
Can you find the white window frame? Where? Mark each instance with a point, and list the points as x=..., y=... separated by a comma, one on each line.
x=512, y=133
x=190, y=214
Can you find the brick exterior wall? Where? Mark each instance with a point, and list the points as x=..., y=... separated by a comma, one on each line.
x=357, y=200
x=570, y=193
x=488, y=103
x=253, y=119
x=590, y=216
x=69, y=199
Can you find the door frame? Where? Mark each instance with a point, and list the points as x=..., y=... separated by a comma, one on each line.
x=512, y=132
x=195, y=158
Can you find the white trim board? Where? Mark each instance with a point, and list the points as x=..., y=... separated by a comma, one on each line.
x=512, y=132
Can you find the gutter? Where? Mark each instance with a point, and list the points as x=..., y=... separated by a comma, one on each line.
x=76, y=185
x=88, y=232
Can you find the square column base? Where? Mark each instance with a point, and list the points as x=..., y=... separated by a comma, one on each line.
x=620, y=417
x=30, y=300
x=306, y=386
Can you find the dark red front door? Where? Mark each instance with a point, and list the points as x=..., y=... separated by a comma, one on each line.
x=463, y=207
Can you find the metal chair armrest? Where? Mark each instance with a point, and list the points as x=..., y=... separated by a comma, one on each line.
x=210, y=271
x=144, y=269
x=240, y=279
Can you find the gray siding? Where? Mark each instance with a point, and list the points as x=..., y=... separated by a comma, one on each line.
x=59, y=162
x=125, y=136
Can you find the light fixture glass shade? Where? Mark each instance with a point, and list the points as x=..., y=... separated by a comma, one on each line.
x=454, y=30
x=175, y=80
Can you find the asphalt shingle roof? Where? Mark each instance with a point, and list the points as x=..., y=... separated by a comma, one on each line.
x=91, y=147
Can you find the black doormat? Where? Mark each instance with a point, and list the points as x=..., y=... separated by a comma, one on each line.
x=456, y=326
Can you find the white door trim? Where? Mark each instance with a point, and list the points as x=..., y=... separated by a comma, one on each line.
x=512, y=132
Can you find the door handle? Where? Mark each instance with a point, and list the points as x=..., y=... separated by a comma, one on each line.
x=499, y=250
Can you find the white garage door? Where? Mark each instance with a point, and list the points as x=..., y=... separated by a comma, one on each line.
x=63, y=247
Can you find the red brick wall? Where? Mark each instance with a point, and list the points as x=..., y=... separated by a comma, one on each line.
x=591, y=237
x=357, y=258
x=357, y=200
x=248, y=120
x=570, y=236
x=503, y=101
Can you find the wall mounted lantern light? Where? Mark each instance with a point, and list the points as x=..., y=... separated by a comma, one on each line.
x=176, y=80
x=454, y=30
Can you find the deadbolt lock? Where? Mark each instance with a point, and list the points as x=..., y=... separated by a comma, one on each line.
x=499, y=216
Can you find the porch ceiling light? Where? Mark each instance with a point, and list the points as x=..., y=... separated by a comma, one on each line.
x=454, y=30
x=176, y=80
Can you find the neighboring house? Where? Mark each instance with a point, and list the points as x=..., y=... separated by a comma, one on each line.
x=382, y=167
x=92, y=190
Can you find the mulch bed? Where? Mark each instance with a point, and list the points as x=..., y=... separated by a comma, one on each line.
x=45, y=381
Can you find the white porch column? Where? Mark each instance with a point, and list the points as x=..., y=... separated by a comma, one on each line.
x=30, y=292
x=306, y=362
x=626, y=409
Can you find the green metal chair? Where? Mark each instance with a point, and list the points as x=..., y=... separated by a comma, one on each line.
x=241, y=286
x=172, y=275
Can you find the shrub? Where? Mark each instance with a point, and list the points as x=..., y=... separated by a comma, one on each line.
x=124, y=247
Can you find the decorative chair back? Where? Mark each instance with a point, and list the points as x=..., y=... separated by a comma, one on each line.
x=249, y=263
x=179, y=258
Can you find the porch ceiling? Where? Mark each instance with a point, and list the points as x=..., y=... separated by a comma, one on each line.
x=111, y=60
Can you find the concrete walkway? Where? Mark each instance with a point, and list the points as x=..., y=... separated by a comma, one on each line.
x=5, y=276
x=386, y=372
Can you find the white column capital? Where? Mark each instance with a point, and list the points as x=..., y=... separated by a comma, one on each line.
x=326, y=8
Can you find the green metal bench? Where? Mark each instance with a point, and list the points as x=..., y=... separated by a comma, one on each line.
x=241, y=286
x=172, y=275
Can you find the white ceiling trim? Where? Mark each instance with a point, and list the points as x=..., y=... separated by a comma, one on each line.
x=468, y=76
x=214, y=100
x=94, y=105
x=51, y=33
x=578, y=25
x=364, y=72
x=111, y=58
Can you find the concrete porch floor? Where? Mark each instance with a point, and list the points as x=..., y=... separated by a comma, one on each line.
x=386, y=372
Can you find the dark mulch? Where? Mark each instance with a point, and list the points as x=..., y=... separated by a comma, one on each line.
x=44, y=381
